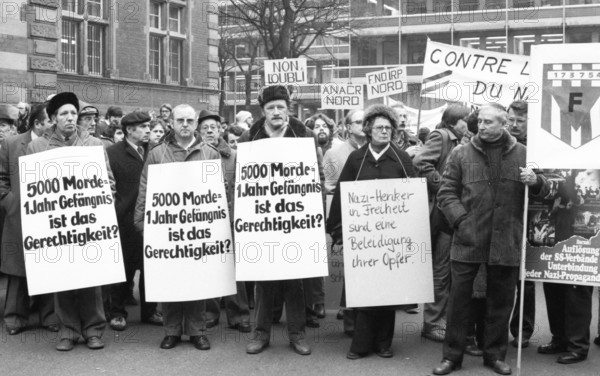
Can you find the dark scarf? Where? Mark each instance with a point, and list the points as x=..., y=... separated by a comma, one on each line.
x=493, y=150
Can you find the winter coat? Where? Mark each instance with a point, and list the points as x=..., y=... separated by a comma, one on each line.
x=13, y=261
x=393, y=164
x=167, y=152
x=488, y=227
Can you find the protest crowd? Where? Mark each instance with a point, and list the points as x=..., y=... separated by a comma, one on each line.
x=477, y=181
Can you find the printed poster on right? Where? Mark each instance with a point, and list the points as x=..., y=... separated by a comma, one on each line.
x=563, y=139
x=562, y=229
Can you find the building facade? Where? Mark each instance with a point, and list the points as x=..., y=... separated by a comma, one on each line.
x=134, y=54
x=389, y=32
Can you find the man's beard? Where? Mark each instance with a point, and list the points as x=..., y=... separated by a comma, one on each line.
x=323, y=139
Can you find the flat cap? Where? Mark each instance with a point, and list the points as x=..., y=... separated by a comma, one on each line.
x=114, y=111
x=9, y=112
x=89, y=110
x=205, y=114
x=135, y=118
x=60, y=100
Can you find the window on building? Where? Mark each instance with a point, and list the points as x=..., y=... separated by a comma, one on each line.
x=155, y=58
x=69, y=44
x=155, y=15
x=366, y=51
x=416, y=50
x=363, y=8
x=70, y=5
x=497, y=44
x=175, y=19
x=94, y=8
x=391, y=8
x=523, y=43
x=175, y=54
x=81, y=50
x=95, y=48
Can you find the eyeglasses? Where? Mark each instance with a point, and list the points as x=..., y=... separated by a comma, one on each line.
x=381, y=128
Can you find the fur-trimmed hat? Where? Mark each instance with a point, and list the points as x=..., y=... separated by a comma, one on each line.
x=60, y=100
x=380, y=110
x=273, y=93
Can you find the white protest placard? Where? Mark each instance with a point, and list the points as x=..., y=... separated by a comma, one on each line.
x=386, y=82
x=188, y=252
x=387, y=245
x=564, y=122
x=279, y=222
x=285, y=71
x=70, y=232
x=342, y=96
x=563, y=234
x=475, y=76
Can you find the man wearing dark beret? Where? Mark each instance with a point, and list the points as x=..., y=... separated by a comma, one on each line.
x=79, y=311
x=126, y=160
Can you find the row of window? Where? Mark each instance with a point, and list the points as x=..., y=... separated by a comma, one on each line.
x=93, y=32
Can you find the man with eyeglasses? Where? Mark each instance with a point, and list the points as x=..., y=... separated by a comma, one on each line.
x=333, y=162
x=236, y=306
x=180, y=145
x=164, y=113
x=517, y=126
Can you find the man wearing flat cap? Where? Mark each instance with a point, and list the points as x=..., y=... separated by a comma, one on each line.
x=127, y=159
x=88, y=117
x=236, y=306
x=17, y=301
x=276, y=122
x=80, y=312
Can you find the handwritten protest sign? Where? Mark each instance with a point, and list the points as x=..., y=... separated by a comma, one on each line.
x=70, y=233
x=475, y=76
x=285, y=71
x=279, y=223
x=188, y=252
x=386, y=82
x=342, y=96
x=387, y=245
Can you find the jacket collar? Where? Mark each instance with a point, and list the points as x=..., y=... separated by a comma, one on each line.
x=391, y=152
x=295, y=129
x=507, y=147
x=53, y=137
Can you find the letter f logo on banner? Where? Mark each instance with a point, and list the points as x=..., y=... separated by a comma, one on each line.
x=570, y=102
